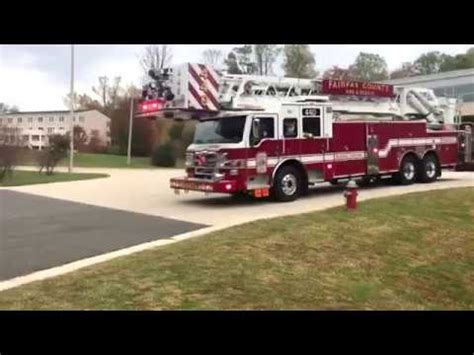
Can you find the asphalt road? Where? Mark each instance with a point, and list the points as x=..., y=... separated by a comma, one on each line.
x=37, y=232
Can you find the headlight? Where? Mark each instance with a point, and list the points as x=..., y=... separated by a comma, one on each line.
x=189, y=159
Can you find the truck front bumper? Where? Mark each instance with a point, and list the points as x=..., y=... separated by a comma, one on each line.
x=186, y=183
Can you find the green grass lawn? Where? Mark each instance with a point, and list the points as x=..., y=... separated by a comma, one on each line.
x=88, y=160
x=21, y=177
x=409, y=252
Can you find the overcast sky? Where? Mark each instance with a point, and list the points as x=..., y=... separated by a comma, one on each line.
x=36, y=77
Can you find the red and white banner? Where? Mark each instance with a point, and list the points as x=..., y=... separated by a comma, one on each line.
x=356, y=88
x=203, y=87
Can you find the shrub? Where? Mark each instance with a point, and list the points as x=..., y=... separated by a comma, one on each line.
x=164, y=156
x=114, y=150
x=176, y=131
x=54, y=153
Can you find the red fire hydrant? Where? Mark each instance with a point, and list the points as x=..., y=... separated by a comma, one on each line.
x=351, y=195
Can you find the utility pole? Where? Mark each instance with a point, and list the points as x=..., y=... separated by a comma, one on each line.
x=71, y=135
x=130, y=128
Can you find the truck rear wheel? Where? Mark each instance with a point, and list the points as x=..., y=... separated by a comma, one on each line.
x=287, y=184
x=428, y=169
x=407, y=173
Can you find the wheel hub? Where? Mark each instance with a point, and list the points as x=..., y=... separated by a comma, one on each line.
x=409, y=171
x=289, y=184
x=430, y=169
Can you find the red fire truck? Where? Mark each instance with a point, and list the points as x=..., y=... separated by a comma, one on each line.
x=274, y=142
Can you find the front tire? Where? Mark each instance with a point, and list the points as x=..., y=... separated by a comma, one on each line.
x=407, y=173
x=428, y=169
x=287, y=184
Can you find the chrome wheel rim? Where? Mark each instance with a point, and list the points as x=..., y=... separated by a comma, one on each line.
x=409, y=171
x=289, y=184
x=430, y=169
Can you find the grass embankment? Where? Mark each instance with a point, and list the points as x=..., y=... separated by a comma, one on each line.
x=409, y=252
x=21, y=177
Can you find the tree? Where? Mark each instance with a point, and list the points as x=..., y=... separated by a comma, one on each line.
x=54, y=153
x=265, y=56
x=82, y=102
x=407, y=70
x=108, y=93
x=80, y=138
x=155, y=57
x=430, y=63
x=299, y=61
x=369, y=67
x=4, y=109
x=337, y=73
x=458, y=62
x=212, y=57
x=9, y=149
x=95, y=142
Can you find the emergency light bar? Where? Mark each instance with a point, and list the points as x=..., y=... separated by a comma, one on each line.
x=150, y=106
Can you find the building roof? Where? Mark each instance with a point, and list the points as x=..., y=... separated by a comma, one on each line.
x=432, y=77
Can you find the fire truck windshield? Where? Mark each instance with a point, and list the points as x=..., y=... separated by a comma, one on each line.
x=220, y=130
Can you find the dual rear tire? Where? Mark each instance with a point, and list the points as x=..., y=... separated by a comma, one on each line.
x=413, y=170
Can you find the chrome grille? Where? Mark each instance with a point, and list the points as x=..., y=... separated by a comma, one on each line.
x=206, y=164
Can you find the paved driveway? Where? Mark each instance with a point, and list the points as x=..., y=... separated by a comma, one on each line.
x=37, y=233
x=147, y=191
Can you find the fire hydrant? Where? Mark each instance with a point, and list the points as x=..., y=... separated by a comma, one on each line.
x=351, y=195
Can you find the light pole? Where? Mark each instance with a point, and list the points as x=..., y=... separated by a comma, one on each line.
x=130, y=128
x=71, y=135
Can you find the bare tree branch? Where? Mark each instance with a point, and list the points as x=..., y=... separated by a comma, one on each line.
x=155, y=57
x=212, y=57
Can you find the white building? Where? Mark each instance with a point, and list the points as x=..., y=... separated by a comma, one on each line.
x=34, y=127
x=457, y=84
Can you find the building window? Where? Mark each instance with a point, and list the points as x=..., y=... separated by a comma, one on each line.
x=40, y=128
x=51, y=119
x=290, y=127
x=61, y=128
x=25, y=137
x=35, y=137
x=1, y=120
x=40, y=119
x=10, y=120
x=30, y=119
x=50, y=130
x=61, y=119
x=19, y=119
x=81, y=118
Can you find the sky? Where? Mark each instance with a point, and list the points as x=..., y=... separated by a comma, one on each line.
x=37, y=77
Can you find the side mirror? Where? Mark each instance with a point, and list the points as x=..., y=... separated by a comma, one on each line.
x=255, y=135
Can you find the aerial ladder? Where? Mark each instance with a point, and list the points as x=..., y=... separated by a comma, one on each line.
x=196, y=90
